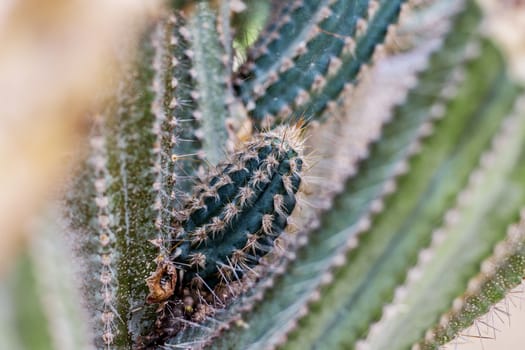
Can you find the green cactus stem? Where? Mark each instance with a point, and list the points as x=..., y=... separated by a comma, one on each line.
x=498, y=180
x=209, y=72
x=364, y=189
x=197, y=220
x=319, y=56
x=142, y=162
x=232, y=221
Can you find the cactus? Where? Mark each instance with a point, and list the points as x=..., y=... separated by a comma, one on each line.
x=357, y=182
x=230, y=223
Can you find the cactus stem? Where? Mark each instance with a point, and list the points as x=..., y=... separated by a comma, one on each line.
x=106, y=237
x=505, y=268
x=221, y=245
x=163, y=129
x=209, y=73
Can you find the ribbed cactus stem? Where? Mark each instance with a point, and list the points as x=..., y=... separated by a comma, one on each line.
x=461, y=225
x=363, y=195
x=106, y=236
x=115, y=200
x=270, y=33
x=321, y=56
x=354, y=299
x=233, y=220
x=166, y=179
x=344, y=139
x=209, y=73
x=237, y=213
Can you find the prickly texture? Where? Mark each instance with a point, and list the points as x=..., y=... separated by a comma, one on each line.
x=360, y=288
x=122, y=162
x=363, y=194
x=41, y=297
x=209, y=72
x=236, y=214
x=319, y=56
x=107, y=246
x=179, y=146
x=344, y=138
x=232, y=221
x=144, y=156
x=493, y=177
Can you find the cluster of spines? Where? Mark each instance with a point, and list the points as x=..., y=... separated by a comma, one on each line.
x=339, y=46
x=185, y=147
x=235, y=215
x=234, y=218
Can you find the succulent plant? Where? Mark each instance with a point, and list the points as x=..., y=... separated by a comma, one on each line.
x=357, y=180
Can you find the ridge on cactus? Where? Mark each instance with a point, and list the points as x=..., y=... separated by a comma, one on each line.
x=390, y=216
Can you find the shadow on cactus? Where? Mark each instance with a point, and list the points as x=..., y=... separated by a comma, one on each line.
x=207, y=216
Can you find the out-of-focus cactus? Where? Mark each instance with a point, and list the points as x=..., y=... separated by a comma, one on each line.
x=357, y=182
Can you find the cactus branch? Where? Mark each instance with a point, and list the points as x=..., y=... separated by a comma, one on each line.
x=320, y=58
x=506, y=267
